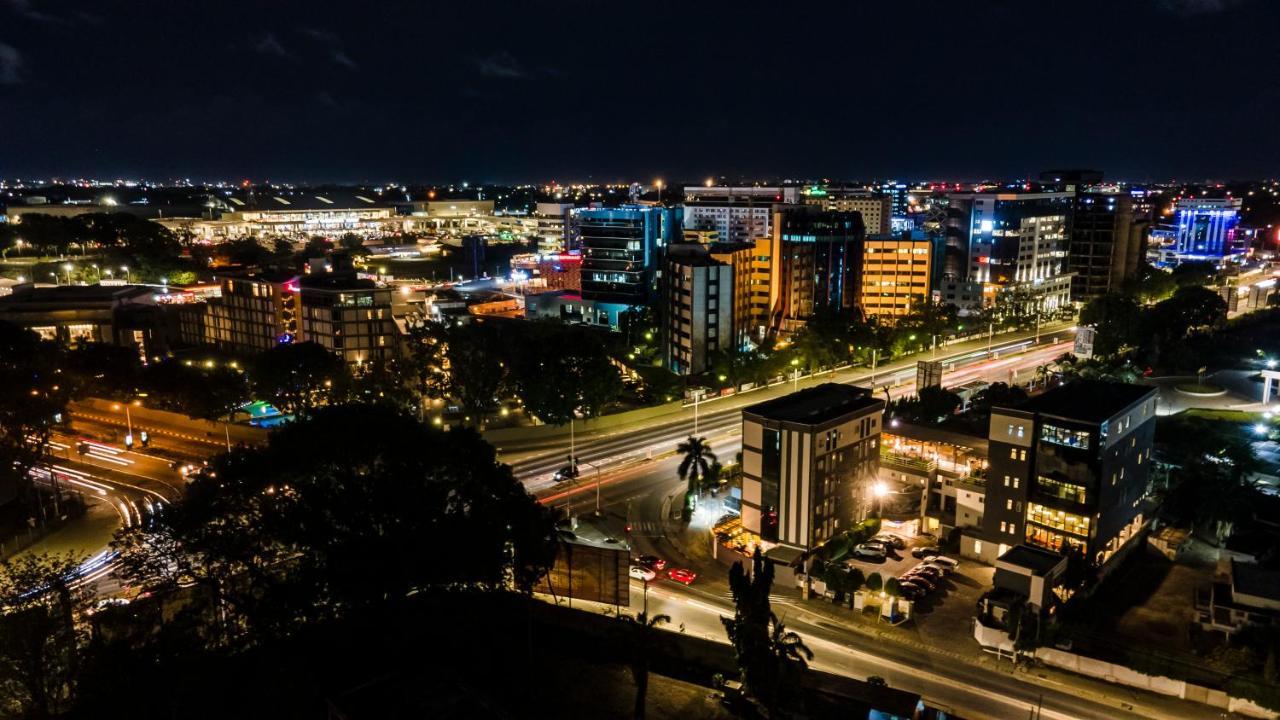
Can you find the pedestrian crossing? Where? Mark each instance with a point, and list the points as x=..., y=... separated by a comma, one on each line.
x=646, y=527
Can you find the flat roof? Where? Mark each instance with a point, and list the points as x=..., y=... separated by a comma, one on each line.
x=1037, y=560
x=1088, y=400
x=816, y=405
x=1255, y=580
x=27, y=293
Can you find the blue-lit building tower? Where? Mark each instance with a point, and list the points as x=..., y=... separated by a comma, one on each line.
x=621, y=250
x=1206, y=227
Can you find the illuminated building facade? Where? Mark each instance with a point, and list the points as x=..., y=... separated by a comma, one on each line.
x=1069, y=468
x=1018, y=239
x=876, y=210
x=255, y=312
x=1206, y=227
x=620, y=250
x=819, y=255
x=809, y=463
x=736, y=214
x=899, y=273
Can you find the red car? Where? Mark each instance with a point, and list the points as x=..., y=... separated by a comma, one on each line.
x=681, y=575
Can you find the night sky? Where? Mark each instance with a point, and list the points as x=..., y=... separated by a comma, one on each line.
x=568, y=91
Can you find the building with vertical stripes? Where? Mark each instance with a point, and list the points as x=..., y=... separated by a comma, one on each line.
x=809, y=463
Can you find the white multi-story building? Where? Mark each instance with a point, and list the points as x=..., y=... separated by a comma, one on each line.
x=738, y=214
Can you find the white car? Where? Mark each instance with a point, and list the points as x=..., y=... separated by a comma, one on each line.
x=642, y=573
x=945, y=564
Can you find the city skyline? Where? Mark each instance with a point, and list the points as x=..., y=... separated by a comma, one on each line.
x=1148, y=91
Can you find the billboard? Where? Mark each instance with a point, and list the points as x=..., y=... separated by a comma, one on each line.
x=928, y=374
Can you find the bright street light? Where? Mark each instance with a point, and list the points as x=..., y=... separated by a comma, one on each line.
x=1260, y=429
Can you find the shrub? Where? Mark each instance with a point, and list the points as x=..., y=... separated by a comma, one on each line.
x=875, y=582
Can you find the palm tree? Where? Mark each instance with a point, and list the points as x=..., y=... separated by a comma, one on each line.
x=642, y=625
x=789, y=654
x=696, y=464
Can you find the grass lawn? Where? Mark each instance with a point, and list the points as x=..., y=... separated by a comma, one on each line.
x=1238, y=416
x=1200, y=388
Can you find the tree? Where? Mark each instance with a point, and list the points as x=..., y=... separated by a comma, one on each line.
x=350, y=510
x=892, y=587
x=476, y=369
x=40, y=640
x=874, y=582
x=696, y=461
x=33, y=395
x=749, y=628
x=246, y=251
x=1117, y=323
x=642, y=629
x=561, y=370
x=790, y=657
x=296, y=377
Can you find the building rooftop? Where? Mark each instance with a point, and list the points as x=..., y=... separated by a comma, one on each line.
x=1088, y=400
x=28, y=294
x=337, y=281
x=816, y=405
x=1251, y=579
x=1037, y=560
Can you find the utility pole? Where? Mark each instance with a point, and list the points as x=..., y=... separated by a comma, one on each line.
x=874, y=353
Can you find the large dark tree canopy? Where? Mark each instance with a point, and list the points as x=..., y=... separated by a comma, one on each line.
x=351, y=508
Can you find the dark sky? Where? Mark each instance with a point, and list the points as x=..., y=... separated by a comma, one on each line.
x=572, y=90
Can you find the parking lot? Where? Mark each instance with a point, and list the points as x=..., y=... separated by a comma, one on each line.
x=959, y=582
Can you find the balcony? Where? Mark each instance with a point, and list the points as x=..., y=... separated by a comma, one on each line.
x=906, y=463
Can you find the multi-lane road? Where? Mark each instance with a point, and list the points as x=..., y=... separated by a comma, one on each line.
x=631, y=472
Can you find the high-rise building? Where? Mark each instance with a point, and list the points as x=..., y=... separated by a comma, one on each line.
x=1068, y=468
x=1106, y=244
x=899, y=272
x=1018, y=240
x=737, y=214
x=876, y=210
x=764, y=278
x=740, y=259
x=897, y=193
x=255, y=312
x=699, y=313
x=1206, y=227
x=620, y=250
x=819, y=256
x=809, y=463
x=349, y=316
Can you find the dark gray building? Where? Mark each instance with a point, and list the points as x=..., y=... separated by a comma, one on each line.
x=1068, y=469
x=1108, y=240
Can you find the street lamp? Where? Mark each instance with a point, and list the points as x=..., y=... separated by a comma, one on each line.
x=66, y=267
x=97, y=270
x=127, y=277
x=697, y=395
x=879, y=490
x=55, y=277
x=795, y=375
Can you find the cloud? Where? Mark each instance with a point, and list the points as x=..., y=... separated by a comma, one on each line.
x=323, y=36
x=10, y=65
x=1199, y=7
x=269, y=44
x=24, y=9
x=343, y=59
x=500, y=65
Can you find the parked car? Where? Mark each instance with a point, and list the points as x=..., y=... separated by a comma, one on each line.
x=945, y=563
x=910, y=591
x=681, y=575
x=922, y=553
x=927, y=571
x=640, y=572
x=568, y=472
x=888, y=538
x=869, y=552
x=886, y=547
x=653, y=562
x=918, y=579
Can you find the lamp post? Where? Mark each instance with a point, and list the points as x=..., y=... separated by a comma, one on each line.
x=127, y=277
x=697, y=395
x=66, y=267
x=97, y=271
